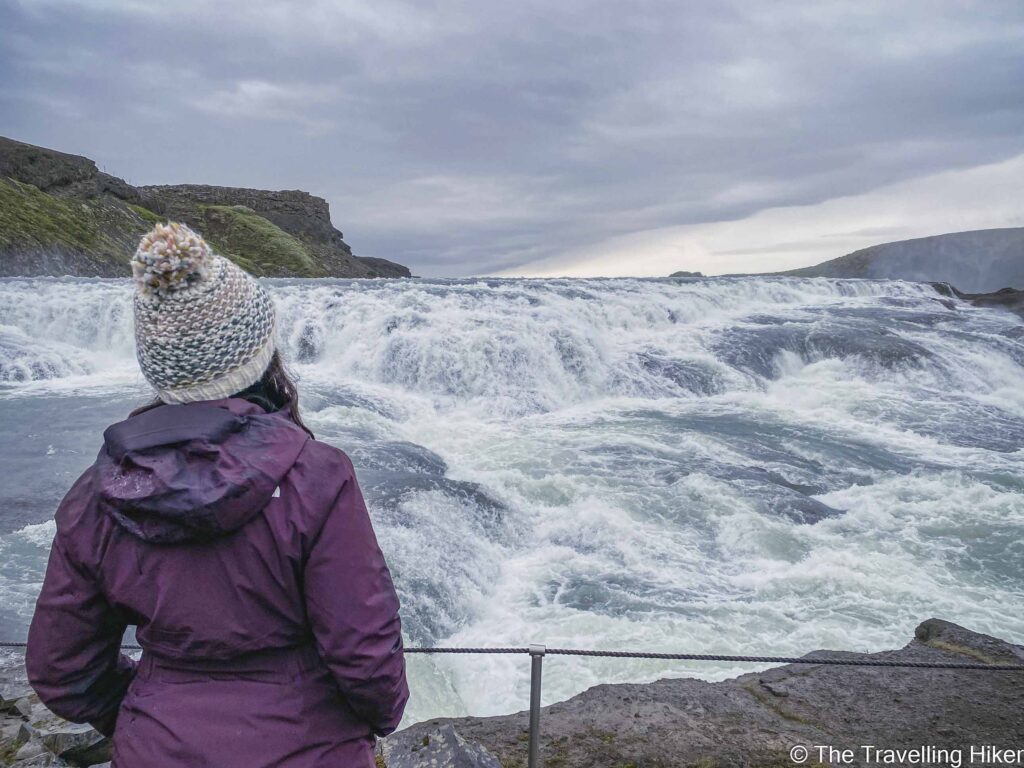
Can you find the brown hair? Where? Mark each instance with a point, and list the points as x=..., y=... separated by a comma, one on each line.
x=275, y=391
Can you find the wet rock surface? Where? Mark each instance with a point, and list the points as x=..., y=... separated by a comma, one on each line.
x=31, y=735
x=755, y=719
x=1010, y=299
x=443, y=747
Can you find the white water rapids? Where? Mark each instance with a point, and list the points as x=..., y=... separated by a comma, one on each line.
x=751, y=465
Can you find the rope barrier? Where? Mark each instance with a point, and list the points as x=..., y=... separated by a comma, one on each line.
x=787, y=660
x=910, y=664
x=738, y=659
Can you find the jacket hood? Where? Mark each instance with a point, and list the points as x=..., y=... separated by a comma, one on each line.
x=179, y=473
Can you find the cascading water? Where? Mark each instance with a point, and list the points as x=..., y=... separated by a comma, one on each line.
x=763, y=465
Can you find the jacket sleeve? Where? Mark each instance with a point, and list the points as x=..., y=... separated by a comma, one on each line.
x=353, y=610
x=73, y=657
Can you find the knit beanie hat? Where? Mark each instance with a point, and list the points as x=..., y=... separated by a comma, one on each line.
x=204, y=329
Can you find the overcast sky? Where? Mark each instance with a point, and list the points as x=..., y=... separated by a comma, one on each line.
x=542, y=138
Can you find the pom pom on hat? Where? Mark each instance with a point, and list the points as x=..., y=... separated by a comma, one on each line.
x=170, y=258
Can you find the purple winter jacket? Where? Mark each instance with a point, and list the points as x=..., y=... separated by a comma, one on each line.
x=242, y=551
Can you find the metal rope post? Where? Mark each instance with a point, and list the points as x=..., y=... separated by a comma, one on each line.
x=536, y=660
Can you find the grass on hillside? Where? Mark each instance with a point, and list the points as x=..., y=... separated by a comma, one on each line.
x=147, y=215
x=256, y=244
x=106, y=229
x=30, y=218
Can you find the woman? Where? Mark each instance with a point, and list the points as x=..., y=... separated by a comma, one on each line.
x=238, y=545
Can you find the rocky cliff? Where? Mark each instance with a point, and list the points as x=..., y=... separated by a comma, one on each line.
x=59, y=214
x=1009, y=299
x=980, y=261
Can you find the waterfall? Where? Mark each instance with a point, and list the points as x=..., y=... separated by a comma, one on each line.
x=726, y=464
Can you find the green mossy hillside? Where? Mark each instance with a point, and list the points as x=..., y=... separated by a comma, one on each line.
x=61, y=215
x=32, y=219
x=106, y=231
x=146, y=214
x=256, y=244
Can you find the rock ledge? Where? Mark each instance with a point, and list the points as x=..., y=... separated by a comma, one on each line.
x=755, y=719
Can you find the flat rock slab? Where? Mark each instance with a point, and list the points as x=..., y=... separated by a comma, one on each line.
x=439, y=747
x=11, y=692
x=76, y=744
x=44, y=760
x=754, y=720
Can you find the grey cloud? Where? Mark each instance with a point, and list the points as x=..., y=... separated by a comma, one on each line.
x=470, y=137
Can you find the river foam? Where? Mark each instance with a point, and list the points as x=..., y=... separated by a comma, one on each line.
x=753, y=465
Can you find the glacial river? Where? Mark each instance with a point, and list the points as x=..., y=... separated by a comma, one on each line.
x=747, y=465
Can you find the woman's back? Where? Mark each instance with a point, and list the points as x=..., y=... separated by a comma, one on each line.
x=243, y=552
